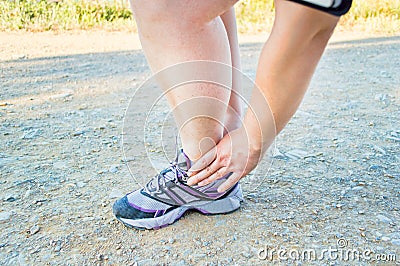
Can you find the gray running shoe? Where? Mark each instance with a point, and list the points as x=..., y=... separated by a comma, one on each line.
x=166, y=197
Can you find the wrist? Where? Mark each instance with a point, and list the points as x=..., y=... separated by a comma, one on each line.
x=259, y=136
x=253, y=139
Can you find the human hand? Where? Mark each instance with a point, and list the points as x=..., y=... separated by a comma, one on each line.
x=236, y=153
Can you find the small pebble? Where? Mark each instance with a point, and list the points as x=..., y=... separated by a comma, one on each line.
x=374, y=167
x=27, y=193
x=181, y=263
x=113, y=169
x=60, y=165
x=115, y=194
x=34, y=229
x=187, y=252
x=199, y=255
x=31, y=134
x=78, y=133
x=220, y=223
x=128, y=159
x=383, y=218
x=60, y=96
x=395, y=235
x=247, y=255
x=171, y=240
x=5, y=216
x=83, y=107
x=11, y=199
x=81, y=184
x=396, y=242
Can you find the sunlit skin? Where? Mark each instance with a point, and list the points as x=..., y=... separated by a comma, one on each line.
x=205, y=30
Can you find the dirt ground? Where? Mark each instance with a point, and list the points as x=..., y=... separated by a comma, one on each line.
x=333, y=185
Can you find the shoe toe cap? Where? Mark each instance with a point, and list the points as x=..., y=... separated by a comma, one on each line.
x=122, y=209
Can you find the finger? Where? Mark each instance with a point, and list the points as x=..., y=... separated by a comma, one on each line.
x=217, y=175
x=204, y=161
x=230, y=182
x=205, y=173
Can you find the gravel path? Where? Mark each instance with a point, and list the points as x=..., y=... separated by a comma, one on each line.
x=334, y=184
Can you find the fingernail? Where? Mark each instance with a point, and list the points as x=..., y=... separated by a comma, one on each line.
x=201, y=183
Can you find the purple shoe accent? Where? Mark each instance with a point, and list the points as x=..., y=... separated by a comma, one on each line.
x=203, y=211
x=214, y=194
x=161, y=187
x=190, y=190
x=204, y=188
x=166, y=198
x=226, y=204
x=141, y=209
x=173, y=196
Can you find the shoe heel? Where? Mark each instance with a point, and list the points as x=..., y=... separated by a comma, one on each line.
x=227, y=204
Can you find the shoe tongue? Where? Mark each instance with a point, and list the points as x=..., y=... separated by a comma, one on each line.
x=184, y=163
x=151, y=186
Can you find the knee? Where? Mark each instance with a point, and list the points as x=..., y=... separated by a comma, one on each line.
x=324, y=33
x=300, y=22
x=166, y=13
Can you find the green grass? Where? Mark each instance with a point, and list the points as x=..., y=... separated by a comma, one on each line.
x=379, y=16
x=42, y=15
x=253, y=15
x=373, y=16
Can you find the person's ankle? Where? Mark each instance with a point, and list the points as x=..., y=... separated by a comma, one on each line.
x=232, y=121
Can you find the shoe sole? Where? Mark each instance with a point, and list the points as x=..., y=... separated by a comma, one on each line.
x=228, y=204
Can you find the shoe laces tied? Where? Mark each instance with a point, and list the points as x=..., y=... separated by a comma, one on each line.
x=160, y=180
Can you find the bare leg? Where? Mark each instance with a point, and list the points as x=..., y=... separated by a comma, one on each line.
x=174, y=31
x=235, y=108
x=286, y=65
x=291, y=55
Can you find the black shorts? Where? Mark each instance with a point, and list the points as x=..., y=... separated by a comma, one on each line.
x=334, y=7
